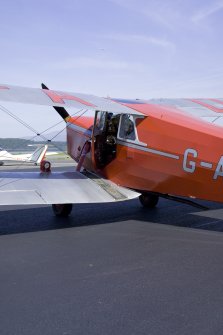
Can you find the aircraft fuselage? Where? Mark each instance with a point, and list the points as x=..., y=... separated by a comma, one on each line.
x=169, y=153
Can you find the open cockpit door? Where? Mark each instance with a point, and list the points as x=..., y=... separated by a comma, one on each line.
x=104, y=139
x=110, y=129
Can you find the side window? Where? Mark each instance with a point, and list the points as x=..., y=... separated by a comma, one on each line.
x=127, y=127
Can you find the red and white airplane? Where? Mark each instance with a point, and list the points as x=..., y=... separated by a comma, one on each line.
x=35, y=158
x=127, y=148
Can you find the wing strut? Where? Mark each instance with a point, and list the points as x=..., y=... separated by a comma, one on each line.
x=86, y=149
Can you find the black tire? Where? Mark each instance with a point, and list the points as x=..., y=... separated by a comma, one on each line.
x=1, y=163
x=62, y=210
x=148, y=200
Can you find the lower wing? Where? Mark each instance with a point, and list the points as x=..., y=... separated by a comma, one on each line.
x=28, y=188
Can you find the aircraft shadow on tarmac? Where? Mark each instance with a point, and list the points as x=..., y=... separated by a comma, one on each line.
x=167, y=212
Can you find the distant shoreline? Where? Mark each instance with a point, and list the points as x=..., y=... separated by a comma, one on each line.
x=23, y=145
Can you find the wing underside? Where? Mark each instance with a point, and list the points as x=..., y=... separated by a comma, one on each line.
x=28, y=188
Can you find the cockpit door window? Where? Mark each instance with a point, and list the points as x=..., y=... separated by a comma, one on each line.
x=127, y=129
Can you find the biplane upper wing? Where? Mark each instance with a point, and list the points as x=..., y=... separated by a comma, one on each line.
x=209, y=110
x=61, y=99
x=19, y=188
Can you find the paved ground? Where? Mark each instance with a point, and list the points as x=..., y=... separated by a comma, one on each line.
x=112, y=269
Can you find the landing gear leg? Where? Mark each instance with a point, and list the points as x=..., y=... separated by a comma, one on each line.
x=62, y=210
x=148, y=200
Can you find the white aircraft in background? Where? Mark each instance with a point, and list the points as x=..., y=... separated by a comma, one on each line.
x=35, y=158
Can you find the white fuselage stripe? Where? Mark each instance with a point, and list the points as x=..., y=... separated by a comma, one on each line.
x=153, y=151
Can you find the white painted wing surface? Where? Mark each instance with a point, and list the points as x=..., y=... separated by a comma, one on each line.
x=207, y=110
x=45, y=97
x=26, y=188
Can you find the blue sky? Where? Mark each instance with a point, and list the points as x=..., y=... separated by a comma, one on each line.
x=120, y=48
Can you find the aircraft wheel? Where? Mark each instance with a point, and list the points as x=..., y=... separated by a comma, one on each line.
x=62, y=210
x=148, y=200
x=1, y=163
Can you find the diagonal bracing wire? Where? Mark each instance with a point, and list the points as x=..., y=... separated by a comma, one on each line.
x=38, y=134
